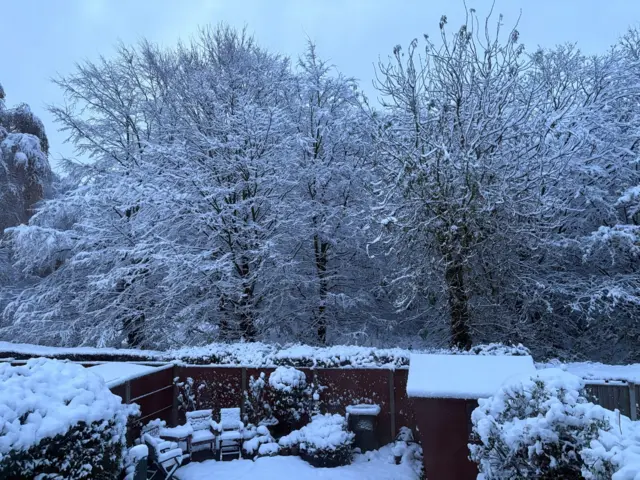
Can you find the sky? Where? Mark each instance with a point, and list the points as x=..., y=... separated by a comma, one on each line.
x=43, y=39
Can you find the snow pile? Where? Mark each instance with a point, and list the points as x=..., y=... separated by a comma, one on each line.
x=325, y=432
x=370, y=466
x=259, y=440
x=41, y=402
x=287, y=379
x=542, y=424
x=324, y=442
x=45, y=398
x=463, y=376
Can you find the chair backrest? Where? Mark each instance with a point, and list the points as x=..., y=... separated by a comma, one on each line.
x=199, y=419
x=153, y=428
x=230, y=418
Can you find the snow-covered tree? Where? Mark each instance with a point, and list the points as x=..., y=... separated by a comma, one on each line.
x=25, y=179
x=475, y=169
x=332, y=173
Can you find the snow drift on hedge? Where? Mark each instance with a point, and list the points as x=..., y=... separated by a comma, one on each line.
x=270, y=355
x=45, y=398
x=256, y=354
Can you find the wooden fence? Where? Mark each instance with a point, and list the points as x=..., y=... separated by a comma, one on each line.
x=222, y=386
x=616, y=395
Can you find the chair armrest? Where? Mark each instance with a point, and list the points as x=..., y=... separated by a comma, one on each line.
x=174, y=453
x=215, y=426
x=166, y=445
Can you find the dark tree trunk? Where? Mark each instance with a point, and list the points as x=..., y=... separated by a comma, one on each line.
x=458, y=306
x=320, y=249
x=247, y=324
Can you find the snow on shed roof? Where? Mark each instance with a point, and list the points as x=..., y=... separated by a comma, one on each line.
x=462, y=376
x=115, y=373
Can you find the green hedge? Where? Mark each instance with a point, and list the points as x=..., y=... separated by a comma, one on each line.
x=98, y=446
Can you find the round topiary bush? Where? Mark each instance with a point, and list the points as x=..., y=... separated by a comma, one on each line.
x=59, y=420
x=290, y=396
x=543, y=427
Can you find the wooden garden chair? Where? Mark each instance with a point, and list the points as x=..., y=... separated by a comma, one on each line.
x=230, y=432
x=164, y=457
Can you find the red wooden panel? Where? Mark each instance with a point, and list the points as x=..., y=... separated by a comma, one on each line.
x=119, y=390
x=444, y=432
x=404, y=406
x=349, y=387
x=218, y=387
x=151, y=382
x=155, y=401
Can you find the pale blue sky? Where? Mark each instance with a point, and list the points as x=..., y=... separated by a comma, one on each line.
x=42, y=38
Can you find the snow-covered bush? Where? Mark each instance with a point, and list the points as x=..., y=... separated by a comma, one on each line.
x=291, y=396
x=256, y=406
x=406, y=450
x=258, y=442
x=324, y=442
x=189, y=395
x=542, y=426
x=135, y=455
x=499, y=349
x=58, y=418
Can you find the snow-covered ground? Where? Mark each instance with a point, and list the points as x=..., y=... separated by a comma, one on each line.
x=376, y=465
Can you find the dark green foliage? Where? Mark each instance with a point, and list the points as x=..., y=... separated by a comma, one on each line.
x=328, y=458
x=67, y=455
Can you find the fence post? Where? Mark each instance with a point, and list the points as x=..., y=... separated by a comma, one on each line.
x=174, y=404
x=243, y=388
x=392, y=402
x=633, y=409
x=127, y=392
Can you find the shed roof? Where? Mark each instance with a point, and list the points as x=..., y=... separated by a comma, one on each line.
x=119, y=372
x=463, y=376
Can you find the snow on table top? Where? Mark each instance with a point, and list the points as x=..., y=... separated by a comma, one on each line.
x=118, y=372
x=462, y=376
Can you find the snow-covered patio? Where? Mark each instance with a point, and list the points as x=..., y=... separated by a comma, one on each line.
x=378, y=465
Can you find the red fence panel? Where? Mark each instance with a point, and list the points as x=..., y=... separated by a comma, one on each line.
x=354, y=386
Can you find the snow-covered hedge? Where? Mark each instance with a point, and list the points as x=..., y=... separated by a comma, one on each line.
x=543, y=427
x=306, y=356
x=256, y=354
x=324, y=442
x=58, y=418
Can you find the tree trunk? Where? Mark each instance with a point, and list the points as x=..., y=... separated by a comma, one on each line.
x=458, y=306
x=320, y=249
x=247, y=324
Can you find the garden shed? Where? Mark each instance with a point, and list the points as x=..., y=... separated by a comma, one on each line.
x=445, y=390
